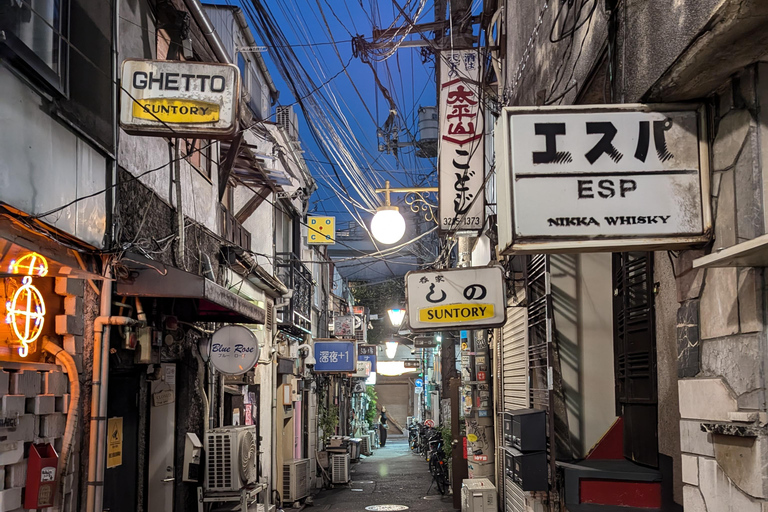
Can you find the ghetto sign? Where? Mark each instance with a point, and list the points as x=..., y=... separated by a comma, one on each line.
x=179, y=98
x=601, y=178
x=467, y=298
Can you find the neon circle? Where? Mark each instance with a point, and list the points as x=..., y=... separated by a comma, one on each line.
x=32, y=264
x=26, y=314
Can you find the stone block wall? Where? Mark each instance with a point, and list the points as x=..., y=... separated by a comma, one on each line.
x=33, y=410
x=720, y=320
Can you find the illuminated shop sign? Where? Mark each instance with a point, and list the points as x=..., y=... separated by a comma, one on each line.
x=25, y=311
x=179, y=98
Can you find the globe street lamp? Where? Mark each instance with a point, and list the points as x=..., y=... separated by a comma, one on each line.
x=388, y=225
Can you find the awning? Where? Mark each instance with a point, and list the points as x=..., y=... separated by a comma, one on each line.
x=189, y=296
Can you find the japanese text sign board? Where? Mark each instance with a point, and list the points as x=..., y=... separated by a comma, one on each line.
x=466, y=298
x=461, y=161
x=411, y=364
x=363, y=369
x=170, y=98
x=321, y=230
x=367, y=353
x=335, y=356
x=602, y=178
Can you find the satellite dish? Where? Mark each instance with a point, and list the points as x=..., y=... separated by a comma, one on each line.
x=234, y=349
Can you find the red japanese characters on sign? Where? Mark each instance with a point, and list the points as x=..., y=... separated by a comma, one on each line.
x=481, y=375
x=461, y=159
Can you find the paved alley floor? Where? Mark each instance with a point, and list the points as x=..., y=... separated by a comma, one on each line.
x=391, y=476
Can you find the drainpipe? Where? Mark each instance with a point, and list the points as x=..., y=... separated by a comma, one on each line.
x=62, y=357
x=243, y=24
x=98, y=435
x=197, y=12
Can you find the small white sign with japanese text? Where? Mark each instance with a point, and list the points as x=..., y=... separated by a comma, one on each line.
x=461, y=159
x=466, y=298
x=602, y=178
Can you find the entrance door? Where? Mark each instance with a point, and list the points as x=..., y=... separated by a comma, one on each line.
x=120, y=477
x=635, y=355
x=162, y=426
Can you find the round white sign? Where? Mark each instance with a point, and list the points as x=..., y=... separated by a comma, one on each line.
x=234, y=349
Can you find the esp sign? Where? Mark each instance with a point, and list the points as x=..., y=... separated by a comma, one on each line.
x=603, y=178
x=459, y=298
x=169, y=98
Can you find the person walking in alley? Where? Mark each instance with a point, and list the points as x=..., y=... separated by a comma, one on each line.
x=383, y=427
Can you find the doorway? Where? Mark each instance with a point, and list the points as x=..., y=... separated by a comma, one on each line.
x=635, y=355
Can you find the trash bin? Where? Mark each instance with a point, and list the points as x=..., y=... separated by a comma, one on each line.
x=41, y=476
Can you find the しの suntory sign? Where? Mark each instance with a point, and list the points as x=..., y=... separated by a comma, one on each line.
x=179, y=98
x=459, y=298
x=602, y=178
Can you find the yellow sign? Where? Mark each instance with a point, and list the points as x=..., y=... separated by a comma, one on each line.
x=322, y=230
x=472, y=438
x=114, y=442
x=456, y=313
x=169, y=110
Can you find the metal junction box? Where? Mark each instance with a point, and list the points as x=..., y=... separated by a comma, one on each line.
x=478, y=495
x=528, y=470
x=525, y=430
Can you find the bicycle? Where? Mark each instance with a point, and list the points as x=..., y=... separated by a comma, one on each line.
x=437, y=462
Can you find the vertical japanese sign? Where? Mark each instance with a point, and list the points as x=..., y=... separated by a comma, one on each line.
x=461, y=159
x=603, y=178
x=466, y=298
x=367, y=353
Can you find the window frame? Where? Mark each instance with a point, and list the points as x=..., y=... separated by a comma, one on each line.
x=24, y=59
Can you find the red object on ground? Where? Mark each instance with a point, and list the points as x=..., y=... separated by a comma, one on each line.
x=611, y=445
x=620, y=494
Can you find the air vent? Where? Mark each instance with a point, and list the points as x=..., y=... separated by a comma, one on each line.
x=270, y=317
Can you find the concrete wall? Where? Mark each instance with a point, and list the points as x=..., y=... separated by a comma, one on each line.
x=651, y=38
x=582, y=296
x=720, y=321
x=138, y=39
x=45, y=165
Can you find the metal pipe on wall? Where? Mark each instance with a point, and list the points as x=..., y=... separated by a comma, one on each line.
x=196, y=9
x=99, y=389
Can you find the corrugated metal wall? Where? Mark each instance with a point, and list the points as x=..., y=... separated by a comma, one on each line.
x=514, y=372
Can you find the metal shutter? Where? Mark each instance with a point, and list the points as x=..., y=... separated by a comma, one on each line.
x=514, y=362
x=515, y=359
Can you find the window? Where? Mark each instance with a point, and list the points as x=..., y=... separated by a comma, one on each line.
x=34, y=38
x=199, y=155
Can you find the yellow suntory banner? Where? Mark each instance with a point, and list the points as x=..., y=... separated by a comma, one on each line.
x=456, y=313
x=171, y=110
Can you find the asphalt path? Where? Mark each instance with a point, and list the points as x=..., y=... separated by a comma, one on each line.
x=391, y=476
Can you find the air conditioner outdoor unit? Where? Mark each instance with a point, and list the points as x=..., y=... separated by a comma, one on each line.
x=295, y=480
x=230, y=454
x=340, y=468
x=365, y=445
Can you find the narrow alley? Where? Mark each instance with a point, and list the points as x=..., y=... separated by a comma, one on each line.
x=392, y=476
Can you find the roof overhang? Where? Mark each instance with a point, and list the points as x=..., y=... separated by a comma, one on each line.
x=192, y=297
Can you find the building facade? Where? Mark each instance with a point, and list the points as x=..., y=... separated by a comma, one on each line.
x=656, y=357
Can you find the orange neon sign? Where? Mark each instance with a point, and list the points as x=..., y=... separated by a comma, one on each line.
x=25, y=312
